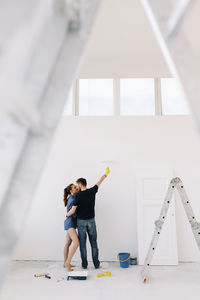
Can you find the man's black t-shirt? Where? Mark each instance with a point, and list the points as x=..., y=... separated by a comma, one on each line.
x=85, y=200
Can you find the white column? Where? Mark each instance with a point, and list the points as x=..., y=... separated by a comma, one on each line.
x=31, y=123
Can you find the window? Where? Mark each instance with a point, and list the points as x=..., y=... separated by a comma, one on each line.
x=95, y=97
x=130, y=96
x=68, y=110
x=173, y=102
x=137, y=96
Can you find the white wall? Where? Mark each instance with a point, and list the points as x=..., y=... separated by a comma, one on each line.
x=122, y=44
x=80, y=146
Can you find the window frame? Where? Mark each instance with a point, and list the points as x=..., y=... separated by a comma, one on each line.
x=117, y=100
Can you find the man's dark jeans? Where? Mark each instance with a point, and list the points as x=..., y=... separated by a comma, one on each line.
x=88, y=227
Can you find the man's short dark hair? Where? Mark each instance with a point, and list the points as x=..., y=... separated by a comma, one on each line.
x=82, y=181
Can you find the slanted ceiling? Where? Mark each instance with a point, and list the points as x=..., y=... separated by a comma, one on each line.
x=122, y=44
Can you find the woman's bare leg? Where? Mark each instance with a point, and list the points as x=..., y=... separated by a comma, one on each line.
x=74, y=237
x=66, y=248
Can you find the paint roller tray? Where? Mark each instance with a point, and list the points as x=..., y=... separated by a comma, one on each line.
x=78, y=275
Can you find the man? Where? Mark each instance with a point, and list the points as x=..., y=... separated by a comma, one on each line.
x=85, y=201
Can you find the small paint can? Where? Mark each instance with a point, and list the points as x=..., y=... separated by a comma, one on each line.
x=133, y=261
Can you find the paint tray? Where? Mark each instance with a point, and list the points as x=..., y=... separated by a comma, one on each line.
x=78, y=275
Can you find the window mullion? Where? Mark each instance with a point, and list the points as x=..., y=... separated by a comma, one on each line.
x=116, y=96
x=158, y=97
x=76, y=97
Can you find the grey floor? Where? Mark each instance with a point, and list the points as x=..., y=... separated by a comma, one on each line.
x=170, y=282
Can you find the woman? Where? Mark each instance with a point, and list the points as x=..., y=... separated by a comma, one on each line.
x=70, y=225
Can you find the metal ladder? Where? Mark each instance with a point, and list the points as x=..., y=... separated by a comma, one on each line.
x=178, y=184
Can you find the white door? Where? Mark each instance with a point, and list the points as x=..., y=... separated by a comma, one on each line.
x=151, y=187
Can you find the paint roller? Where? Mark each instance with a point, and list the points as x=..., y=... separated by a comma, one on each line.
x=107, y=172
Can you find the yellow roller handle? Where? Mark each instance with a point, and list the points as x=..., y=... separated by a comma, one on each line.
x=107, y=172
x=40, y=275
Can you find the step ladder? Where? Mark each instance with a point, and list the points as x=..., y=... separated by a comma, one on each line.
x=178, y=184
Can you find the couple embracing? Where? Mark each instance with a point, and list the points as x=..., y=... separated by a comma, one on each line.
x=80, y=203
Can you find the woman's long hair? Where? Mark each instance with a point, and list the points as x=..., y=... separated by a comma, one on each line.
x=67, y=192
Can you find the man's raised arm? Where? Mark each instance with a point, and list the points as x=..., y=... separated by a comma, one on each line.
x=103, y=177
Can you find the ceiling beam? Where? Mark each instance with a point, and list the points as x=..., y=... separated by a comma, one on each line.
x=49, y=49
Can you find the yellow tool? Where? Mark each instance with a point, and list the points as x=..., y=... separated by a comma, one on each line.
x=41, y=275
x=108, y=274
x=104, y=274
x=107, y=172
x=101, y=275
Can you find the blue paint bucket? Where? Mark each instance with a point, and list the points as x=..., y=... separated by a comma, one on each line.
x=124, y=259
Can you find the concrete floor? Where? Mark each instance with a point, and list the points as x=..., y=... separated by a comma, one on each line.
x=179, y=282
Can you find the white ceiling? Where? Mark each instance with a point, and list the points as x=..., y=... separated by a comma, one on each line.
x=122, y=43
